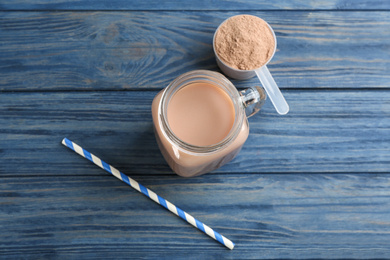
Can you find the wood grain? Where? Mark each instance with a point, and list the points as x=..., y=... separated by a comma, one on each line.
x=312, y=184
x=325, y=131
x=45, y=51
x=194, y=5
x=267, y=216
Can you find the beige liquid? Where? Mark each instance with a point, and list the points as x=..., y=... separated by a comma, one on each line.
x=201, y=114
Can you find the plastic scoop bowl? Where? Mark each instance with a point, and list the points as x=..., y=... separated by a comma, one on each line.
x=262, y=73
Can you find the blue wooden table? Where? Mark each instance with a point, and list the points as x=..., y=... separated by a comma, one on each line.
x=312, y=184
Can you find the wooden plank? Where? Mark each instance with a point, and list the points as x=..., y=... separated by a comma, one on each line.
x=267, y=216
x=195, y=5
x=142, y=50
x=325, y=131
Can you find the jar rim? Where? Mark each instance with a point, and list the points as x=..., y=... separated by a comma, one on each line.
x=214, y=78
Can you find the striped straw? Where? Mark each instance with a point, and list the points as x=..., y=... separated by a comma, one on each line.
x=148, y=193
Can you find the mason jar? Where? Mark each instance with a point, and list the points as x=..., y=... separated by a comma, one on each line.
x=188, y=159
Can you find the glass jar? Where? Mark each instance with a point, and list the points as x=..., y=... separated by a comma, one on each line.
x=190, y=160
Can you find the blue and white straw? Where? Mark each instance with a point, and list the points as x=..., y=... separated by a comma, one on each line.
x=148, y=193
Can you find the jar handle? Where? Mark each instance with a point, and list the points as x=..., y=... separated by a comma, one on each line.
x=253, y=99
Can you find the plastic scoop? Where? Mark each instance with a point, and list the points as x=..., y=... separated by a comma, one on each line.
x=262, y=73
x=272, y=90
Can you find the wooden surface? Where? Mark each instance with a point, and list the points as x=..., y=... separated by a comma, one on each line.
x=266, y=215
x=312, y=184
x=44, y=51
x=215, y=5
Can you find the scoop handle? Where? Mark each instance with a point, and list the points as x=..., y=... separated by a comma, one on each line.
x=272, y=90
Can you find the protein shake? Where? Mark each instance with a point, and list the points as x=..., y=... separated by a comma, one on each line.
x=200, y=121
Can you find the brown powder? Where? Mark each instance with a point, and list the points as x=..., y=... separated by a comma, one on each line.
x=244, y=42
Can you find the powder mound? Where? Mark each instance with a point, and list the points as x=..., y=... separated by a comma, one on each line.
x=244, y=42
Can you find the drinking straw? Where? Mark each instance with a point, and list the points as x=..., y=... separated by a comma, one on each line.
x=150, y=194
